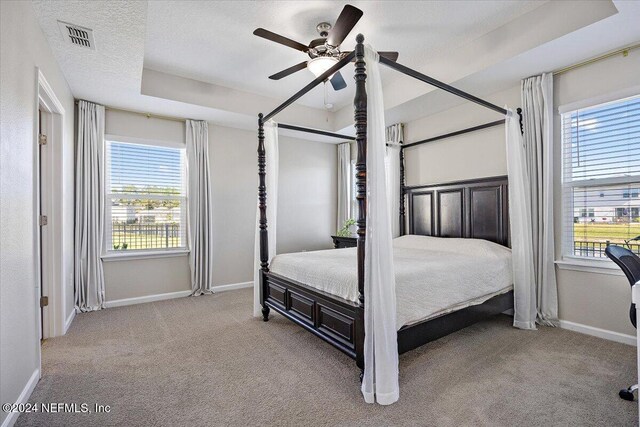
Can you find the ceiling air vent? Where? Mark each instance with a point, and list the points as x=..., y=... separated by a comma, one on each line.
x=77, y=35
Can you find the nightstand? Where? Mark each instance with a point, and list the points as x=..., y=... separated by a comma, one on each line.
x=344, y=242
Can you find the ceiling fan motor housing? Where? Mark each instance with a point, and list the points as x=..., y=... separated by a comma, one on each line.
x=319, y=47
x=323, y=29
x=324, y=51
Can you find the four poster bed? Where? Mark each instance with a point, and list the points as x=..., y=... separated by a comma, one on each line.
x=327, y=299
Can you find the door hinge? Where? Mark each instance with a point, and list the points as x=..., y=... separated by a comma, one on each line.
x=42, y=139
x=43, y=220
x=44, y=301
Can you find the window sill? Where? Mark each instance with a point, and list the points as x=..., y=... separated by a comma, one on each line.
x=134, y=255
x=603, y=266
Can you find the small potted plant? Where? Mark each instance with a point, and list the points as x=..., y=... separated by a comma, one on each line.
x=345, y=231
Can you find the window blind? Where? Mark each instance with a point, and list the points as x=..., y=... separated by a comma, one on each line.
x=145, y=203
x=601, y=178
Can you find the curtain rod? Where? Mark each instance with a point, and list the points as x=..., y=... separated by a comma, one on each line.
x=456, y=133
x=147, y=115
x=315, y=131
x=624, y=51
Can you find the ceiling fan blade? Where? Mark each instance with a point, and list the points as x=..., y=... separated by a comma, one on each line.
x=337, y=81
x=266, y=34
x=392, y=56
x=344, y=24
x=290, y=70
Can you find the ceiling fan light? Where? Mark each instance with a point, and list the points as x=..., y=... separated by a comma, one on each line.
x=321, y=64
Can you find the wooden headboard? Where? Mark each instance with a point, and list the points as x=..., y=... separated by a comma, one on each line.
x=475, y=208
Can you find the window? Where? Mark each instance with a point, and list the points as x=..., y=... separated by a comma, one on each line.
x=145, y=198
x=601, y=178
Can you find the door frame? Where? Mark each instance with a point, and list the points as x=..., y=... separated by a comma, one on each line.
x=49, y=256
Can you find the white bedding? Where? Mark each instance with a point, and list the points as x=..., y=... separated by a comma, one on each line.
x=434, y=275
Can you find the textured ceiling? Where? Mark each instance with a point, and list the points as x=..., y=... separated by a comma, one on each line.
x=213, y=41
x=209, y=66
x=114, y=68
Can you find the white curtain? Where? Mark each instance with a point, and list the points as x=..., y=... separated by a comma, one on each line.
x=200, y=208
x=394, y=138
x=344, y=184
x=89, y=214
x=271, y=152
x=524, y=305
x=537, y=108
x=380, y=382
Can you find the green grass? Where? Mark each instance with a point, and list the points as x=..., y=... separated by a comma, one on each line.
x=615, y=233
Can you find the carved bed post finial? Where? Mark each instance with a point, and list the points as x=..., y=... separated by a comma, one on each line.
x=402, y=192
x=262, y=206
x=360, y=115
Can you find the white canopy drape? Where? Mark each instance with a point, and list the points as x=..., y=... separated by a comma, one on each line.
x=271, y=154
x=380, y=382
x=394, y=138
x=524, y=304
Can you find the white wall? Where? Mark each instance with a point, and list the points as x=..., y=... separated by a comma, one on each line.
x=306, y=208
x=592, y=299
x=22, y=49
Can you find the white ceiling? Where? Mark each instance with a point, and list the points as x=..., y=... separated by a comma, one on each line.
x=213, y=41
x=146, y=51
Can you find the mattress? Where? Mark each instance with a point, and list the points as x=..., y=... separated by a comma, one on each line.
x=434, y=275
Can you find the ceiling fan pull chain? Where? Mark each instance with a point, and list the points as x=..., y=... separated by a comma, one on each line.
x=327, y=104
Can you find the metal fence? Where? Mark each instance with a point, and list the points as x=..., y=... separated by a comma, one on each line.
x=145, y=236
x=596, y=249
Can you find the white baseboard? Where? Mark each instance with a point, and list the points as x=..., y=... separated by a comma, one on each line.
x=600, y=333
x=171, y=295
x=233, y=286
x=67, y=323
x=23, y=398
x=146, y=298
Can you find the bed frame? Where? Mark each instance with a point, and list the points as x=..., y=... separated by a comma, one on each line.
x=473, y=209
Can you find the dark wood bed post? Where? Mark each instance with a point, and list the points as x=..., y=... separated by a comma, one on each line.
x=262, y=205
x=402, y=193
x=360, y=115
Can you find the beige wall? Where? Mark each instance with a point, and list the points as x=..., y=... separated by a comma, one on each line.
x=597, y=300
x=307, y=195
x=22, y=49
x=473, y=155
x=143, y=277
x=131, y=278
x=306, y=207
x=593, y=299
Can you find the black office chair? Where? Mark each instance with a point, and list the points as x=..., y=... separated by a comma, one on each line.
x=629, y=263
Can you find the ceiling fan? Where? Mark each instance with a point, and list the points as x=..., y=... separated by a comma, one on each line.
x=324, y=51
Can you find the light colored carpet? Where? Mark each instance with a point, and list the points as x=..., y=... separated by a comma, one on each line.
x=205, y=361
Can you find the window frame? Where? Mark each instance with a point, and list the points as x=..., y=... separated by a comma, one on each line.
x=568, y=260
x=108, y=254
